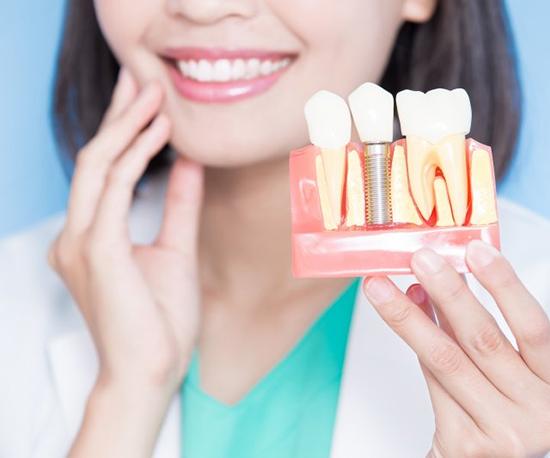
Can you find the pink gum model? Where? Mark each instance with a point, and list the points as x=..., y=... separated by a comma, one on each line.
x=355, y=252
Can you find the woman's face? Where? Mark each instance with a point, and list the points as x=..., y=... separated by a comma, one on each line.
x=238, y=72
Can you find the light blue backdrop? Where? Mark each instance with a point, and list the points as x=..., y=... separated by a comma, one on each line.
x=33, y=186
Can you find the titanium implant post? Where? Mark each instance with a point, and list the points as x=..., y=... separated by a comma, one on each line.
x=377, y=184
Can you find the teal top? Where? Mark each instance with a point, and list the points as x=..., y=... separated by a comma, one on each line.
x=289, y=413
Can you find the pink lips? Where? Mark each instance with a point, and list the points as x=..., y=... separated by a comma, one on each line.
x=218, y=92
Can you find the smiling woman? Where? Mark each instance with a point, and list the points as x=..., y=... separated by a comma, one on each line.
x=314, y=46
x=168, y=322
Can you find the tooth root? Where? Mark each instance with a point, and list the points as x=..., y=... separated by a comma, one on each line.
x=334, y=163
x=451, y=154
x=442, y=205
x=326, y=210
x=483, y=189
x=355, y=192
x=403, y=208
x=421, y=167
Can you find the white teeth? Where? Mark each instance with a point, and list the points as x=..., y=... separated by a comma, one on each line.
x=223, y=70
x=238, y=70
x=205, y=71
x=328, y=119
x=372, y=109
x=435, y=114
x=266, y=68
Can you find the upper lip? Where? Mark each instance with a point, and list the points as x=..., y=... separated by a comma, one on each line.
x=198, y=53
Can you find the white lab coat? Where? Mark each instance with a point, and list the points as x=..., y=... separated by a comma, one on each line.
x=48, y=361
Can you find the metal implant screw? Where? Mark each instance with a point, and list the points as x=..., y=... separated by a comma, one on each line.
x=377, y=184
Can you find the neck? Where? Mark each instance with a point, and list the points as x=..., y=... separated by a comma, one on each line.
x=245, y=227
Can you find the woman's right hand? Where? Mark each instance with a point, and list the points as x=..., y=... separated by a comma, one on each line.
x=141, y=302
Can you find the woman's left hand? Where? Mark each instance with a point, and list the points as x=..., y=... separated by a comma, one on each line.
x=489, y=400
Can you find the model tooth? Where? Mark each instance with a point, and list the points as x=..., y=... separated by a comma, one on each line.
x=355, y=191
x=442, y=205
x=484, y=207
x=326, y=210
x=373, y=113
x=329, y=123
x=403, y=209
x=435, y=125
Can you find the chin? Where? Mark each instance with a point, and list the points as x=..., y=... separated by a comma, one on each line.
x=226, y=153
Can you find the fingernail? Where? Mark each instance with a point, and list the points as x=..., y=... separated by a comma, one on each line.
x=379, y=290
x=417, y=294
x=481, y=254
x=427, y=261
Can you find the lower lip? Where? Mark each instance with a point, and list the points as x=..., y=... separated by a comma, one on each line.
x=215, y=92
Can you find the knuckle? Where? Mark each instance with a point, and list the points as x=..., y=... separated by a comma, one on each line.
x=446, y=359
x=489, y=340
x=505, y=277
x=398, y=315
x=63, y=253
x=537, y=335
x=85, y=157
x=454, y=292
x=120, y=177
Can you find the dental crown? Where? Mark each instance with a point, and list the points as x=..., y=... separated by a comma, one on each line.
x=435, y=114
x=328, y=119
x=373, y=110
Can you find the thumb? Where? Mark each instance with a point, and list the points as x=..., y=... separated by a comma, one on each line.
x=180, y=225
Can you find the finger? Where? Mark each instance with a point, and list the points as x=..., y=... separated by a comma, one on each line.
x=447, y=411
x=436, y=350
x=95, y=160
x=474, y=327
x=182, y=207
x=125, y=91
x=114, y=206
x=527, y=319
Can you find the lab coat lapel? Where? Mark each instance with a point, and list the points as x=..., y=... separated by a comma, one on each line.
x=384, y=408
x=74, y=366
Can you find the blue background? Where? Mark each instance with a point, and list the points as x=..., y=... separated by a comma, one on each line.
x=32, y=183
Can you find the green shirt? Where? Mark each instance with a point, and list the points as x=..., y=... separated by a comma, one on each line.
x=289, y=413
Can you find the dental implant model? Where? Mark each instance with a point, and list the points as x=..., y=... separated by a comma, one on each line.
x=364, y=209
x=372, y=108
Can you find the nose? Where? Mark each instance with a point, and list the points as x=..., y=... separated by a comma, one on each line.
x=211, y=11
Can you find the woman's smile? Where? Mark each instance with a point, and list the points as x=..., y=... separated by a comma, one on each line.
x=217, y=75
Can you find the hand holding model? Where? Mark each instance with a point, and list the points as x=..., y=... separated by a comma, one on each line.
x=435, y=197
x=489, y=399
x=141, y=303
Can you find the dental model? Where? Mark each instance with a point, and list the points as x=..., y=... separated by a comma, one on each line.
x=329, y=123
x=434, y=188
x=372, y=108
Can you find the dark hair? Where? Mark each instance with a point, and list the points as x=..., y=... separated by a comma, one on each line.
x=467, y=43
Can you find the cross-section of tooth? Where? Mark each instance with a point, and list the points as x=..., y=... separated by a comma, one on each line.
x=403, y=209
x=326, y=210
x=329, y=123
x=442, y=205
x=355, y=191
x=436, y=124
x=484, y=208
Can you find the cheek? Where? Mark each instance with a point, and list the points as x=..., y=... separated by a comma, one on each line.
x=124, y=24
x=347, y=42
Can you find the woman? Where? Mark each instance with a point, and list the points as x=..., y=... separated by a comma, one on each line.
x=202, y=291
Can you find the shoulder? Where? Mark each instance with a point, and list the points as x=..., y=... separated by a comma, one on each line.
x=525, y=241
